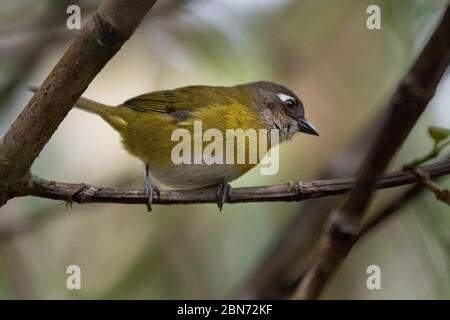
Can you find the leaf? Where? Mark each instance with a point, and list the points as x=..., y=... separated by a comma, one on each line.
x=441, y=137
x=438, y=134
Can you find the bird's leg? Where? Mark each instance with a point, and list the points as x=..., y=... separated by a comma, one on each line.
x=223, y=194
x=150, y=189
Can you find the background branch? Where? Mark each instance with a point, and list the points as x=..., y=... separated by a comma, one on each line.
x=407, y=105
x=104, y=34
x=24, y=60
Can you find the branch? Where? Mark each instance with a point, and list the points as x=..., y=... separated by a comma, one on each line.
x=440, y=192
x=388, y=210
x=405, y=108
x=104, y=34
x=84, y=193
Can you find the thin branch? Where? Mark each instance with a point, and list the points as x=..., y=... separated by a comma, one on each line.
x=388, y=210
x=84, y=193
x=104, y=34
x=410, y=100
x=440, y=192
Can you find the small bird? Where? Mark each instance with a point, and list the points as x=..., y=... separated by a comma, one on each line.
x=146, y=123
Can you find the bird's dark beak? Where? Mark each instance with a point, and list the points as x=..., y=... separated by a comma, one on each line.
x=306, y=127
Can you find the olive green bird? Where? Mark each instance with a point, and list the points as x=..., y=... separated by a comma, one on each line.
x=146, y=123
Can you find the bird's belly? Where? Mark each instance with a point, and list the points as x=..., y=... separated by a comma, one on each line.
x=156, y=151
x=191, y=176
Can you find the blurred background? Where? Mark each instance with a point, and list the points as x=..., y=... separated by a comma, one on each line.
x=344, y=73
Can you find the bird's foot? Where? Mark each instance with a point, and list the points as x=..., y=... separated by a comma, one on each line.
x=151, y=191
x=223, y=194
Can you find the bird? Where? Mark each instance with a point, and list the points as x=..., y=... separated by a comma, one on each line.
x=146, y=124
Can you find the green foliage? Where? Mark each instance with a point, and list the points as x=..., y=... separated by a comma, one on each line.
x=438, y=134
x=441, y=138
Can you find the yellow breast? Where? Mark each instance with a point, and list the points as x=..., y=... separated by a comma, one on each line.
x=150, y=137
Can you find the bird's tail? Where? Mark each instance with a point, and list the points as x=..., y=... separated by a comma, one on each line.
x=88, y=105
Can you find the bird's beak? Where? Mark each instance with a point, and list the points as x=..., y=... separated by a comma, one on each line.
x=306, y=127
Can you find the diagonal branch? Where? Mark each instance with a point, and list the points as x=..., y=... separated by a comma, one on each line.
x=411, y=98
x=83, y=193
x=104, y=34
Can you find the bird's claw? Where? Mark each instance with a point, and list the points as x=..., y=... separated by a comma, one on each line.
x=223, y=194
x=150, y=191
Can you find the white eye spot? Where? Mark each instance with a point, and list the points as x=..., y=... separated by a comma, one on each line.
x=285, y=97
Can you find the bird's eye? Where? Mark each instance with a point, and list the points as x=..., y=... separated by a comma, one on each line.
x=290, y=103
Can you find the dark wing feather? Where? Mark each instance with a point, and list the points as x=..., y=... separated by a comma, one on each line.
x=159, y=101
x=185, y=100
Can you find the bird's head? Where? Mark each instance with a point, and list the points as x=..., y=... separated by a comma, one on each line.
x=280, y=108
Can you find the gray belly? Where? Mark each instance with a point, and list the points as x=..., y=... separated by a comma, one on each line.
x=192, y=176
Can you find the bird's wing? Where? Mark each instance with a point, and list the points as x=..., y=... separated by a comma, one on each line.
x=159, y=101
x=185, y=99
